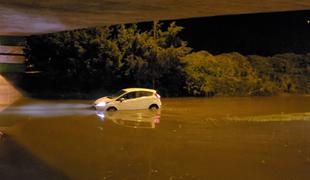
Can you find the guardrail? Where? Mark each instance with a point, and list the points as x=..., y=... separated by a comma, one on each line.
x=12, y=56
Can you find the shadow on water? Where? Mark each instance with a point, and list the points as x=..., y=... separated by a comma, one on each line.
x=17, y=163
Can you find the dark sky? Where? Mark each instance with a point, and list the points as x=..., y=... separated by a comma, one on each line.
x=263, y=33
x=220, y=31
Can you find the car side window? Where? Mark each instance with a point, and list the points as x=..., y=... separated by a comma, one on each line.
x=130, y=95
x=136, y=94
x=148, y=93
x=144, y=94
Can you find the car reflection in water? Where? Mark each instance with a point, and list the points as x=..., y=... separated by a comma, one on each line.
x=1, y=135
x=132, y=118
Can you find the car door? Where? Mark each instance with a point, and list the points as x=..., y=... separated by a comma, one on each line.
x=127, y=101
x=144, y=99
x=139, y=100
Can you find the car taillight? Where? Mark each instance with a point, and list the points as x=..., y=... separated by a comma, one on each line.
x=157, y=95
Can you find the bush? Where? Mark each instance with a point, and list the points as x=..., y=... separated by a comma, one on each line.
x=226, y=74
x=108, y=58
x=233, y=74
x=282, y=73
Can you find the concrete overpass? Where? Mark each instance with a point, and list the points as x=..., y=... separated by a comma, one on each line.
x=23, y=17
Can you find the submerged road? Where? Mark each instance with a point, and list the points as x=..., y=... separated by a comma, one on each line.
x=189, y=138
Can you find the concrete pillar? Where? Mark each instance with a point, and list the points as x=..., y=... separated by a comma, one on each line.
x=8, y=93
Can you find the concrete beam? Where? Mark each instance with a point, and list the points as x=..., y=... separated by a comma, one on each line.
x=24, y=17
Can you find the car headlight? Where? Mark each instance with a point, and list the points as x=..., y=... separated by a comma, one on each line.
x=102, y=104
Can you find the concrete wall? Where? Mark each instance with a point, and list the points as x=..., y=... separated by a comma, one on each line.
x=11, y=60
x=8, y=93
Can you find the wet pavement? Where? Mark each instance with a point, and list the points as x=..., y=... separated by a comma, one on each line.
x=189, y=138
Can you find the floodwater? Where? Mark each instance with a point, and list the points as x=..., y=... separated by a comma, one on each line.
x=189, y=138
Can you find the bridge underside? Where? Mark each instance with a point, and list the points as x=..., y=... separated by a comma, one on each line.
x=23, y=17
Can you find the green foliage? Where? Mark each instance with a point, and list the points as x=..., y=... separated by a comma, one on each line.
x=151, y=60
x=226, y=74
x=198, y=81
x=75, y=59
x=283, y=73
x=110, y=58
x=12, y=68
x=234, y=74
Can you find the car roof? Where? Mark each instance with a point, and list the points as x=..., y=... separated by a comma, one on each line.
x=139, y=89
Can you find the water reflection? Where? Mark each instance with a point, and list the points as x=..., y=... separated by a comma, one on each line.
x=46, y=109
x=133, y=118
x=1, y=135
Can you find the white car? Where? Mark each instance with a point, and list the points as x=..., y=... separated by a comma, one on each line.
x=129, y=99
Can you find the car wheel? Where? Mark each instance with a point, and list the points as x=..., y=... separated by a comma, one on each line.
x=111, y=109
x=153, y=107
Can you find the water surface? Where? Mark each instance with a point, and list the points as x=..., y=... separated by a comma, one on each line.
x=189, y=138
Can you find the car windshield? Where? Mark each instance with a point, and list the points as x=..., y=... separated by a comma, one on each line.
x=117, y=94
